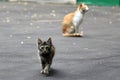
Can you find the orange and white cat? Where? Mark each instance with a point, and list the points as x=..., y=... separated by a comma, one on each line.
x=71, y=22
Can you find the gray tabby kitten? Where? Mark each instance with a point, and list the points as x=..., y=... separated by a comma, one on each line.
x=46, y=53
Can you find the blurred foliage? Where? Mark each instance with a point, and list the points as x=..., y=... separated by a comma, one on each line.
x=100, y=2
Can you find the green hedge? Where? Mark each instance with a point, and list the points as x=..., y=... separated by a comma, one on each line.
x=100, y=2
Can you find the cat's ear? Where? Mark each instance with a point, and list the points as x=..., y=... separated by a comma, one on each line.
x=39, y=41
x=49, y=41
x=81, y=5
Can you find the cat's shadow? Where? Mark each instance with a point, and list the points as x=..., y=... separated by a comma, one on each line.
x=56, y=73
x=53, y=72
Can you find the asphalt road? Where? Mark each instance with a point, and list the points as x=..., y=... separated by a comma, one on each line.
x=96, y=56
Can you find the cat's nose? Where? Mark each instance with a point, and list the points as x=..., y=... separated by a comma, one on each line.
x=45, y=51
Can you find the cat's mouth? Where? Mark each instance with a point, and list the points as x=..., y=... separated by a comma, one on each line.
x=85, y=10
x=44, y=53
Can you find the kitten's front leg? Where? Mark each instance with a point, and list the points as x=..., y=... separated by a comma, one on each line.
x=43, y=66
x=47, y=69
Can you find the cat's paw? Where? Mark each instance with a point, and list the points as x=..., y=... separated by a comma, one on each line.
x=46, y=72
x=79, y=34
x=42, y=71
x=76, y=35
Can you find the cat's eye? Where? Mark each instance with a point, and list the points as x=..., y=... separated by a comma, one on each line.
x=41, y=47
x=47, y=47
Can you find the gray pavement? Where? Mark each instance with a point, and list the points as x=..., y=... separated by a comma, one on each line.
x=50, y=1
x=96, y=56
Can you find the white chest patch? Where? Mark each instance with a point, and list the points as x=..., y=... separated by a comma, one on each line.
x=77, y=18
